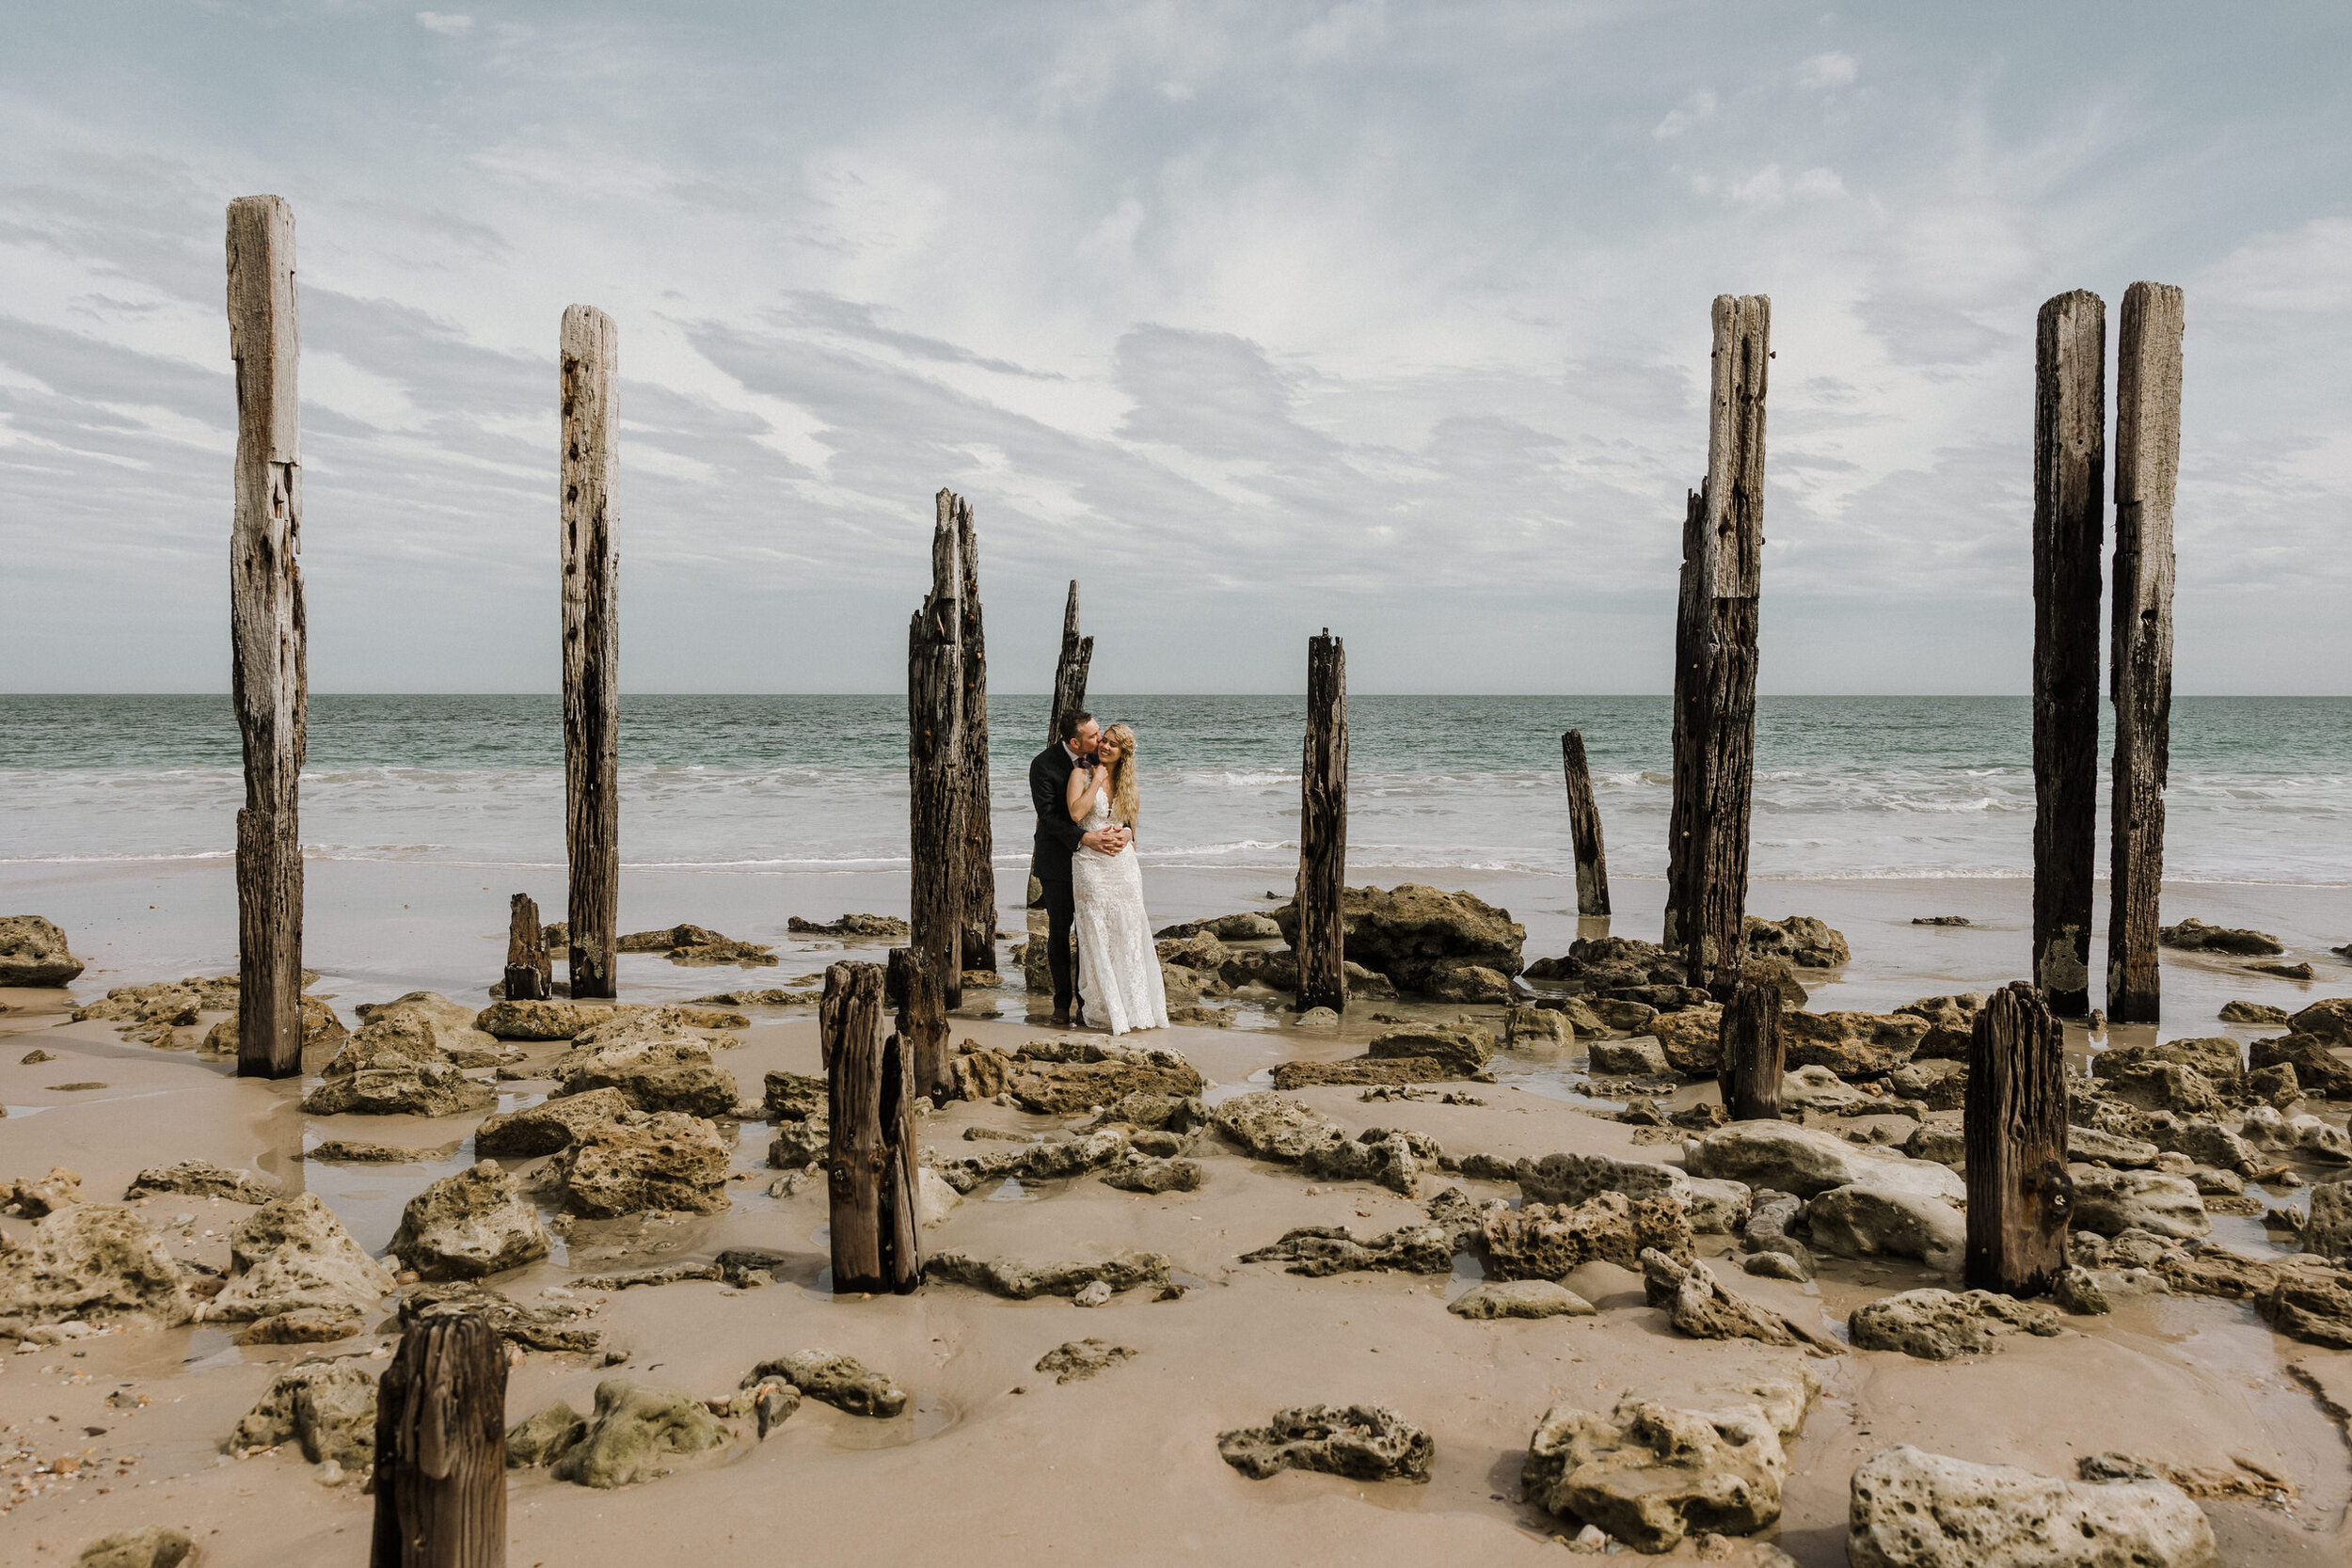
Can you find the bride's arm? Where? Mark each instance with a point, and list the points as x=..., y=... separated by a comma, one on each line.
x=1084, y=783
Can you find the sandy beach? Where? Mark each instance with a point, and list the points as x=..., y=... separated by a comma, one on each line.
x=993, y=1461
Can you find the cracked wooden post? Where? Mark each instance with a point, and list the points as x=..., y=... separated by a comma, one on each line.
x=441, y=1448
x=870, y=1155
x=528, y=972
x=2147, y=464
x=1322, y=945
x=268, y=659
x=934, y=779
x=592, y=651
x=2069, y=526
x=1592, y=861
x=979, y=835
x=2019, y=1193
x=1726, y=584
x=1689, y=723
x=1755, y=1054
x=1070, y=670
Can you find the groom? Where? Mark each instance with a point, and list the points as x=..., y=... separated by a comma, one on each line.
x=1057, y=839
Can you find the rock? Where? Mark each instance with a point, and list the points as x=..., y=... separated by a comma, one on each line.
x=2329, y=1022
x=1318, y=1251
x=291, y=1255
x=2283, y=971
x=1909, y=1509
x=1651, y=1475
x=1362, y=1071
x=1716, y=1208
x=1944, y=1144
x=1572, y=1179
x=453, y=1026
x=1801, y=940
x=669, y=1073
x=358, y=1151
x=2089, y=1142
x=1274, y=1128
x=1853, y=1045
x=1092, y=1295
x=552, y=1325
x=662, y=1160
x=1796, y=1267
x=2195, y=936
x=1318, y=1018
x=1636, y=1058
x=1614, y=1012
x=35, y=1198
x=150, y=1546
x=1939, y=1326
x=469, y=1224
x=1471, y=983
x=856, y=927
x=1808, y=1162
x=2330, y=1229
x=698, y=946
x=1066, y=1076
x=549, y=1127
x=1536, y=1026
x=1075, y=1360
x=840, y=1381
x=1202, y=1018
x=2215, y=1057
x=1873, y=1222
x=1697, y=1305
x=201, y=1179
x=1027, y=1281
x=1415, y=934
x=93, y=1263
x=1940, y=920
x=2317, y=1068
x=1939, y=1085
x=632, y=1431
x=1816, y=1088
x=2251, y=1012
x=1519, y=1298
x=1142, y=1173
x=328, y=1407
x=33, y=952
x=541, y=1020
x=545, y=1437
x=1361, y=1442
x=2112, y=1201
x=321, y=1029
x=304, y=1325
x=2317, y=1311
x=2275, y=1084
x=1465, y=1048
x=2075, y=1289
x=1249, y=927
x=394, y=1067
x=1038, y=1160
x=1951, y=1023
x=1691, y=1039
x=2201, y=1138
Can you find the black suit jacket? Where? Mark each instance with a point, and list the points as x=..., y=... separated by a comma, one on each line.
x=1057, y=836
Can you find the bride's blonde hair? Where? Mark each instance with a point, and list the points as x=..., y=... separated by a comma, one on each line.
x=1126, y=800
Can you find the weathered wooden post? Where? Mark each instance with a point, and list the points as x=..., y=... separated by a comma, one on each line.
x=1322, y=943
x=591, y=650
x=268, y=657
x=1070, y=670
x=935, y=768
x=1754, y=1055
x=1726, y=583
x=1690, y=724
x=1592, y=861
x=529, y=972
x=2147, y=464
x=441, y=1448
x=2069, y=526
x=914, y=994
x=980, y=834
x=870, y=1160
x=2019, y=1193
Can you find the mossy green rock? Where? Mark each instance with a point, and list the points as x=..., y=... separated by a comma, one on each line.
x=633, y=1431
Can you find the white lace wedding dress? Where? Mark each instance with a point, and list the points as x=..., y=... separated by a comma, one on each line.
x=1119, y=966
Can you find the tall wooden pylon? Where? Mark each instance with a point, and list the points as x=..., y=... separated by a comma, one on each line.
x=591, y=650
x=267, y=633
x=1323, y=830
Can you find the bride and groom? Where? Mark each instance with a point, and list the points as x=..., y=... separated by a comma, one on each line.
x=1084, y=789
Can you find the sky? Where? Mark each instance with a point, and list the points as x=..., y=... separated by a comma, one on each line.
x=1256, y=318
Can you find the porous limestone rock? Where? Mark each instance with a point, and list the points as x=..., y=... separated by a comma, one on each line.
x=1951, y=1023
x=33, y=952
x=1321, y=1250
x=1076, y=1361
x=1690, y=1039
x=1639, y=1058
x=292, y=1254
x=148, y=1547
x=640, y=1161
x=2112, y=1201
x=1808, y=1162
x=549, y=1127
x=469, y=1224
x=1359, y=1441
x=1062, y=1077
x=1545, y=1241
x=394, y=1067
x=1273, y=1127
x=550, y=1020
x=1800, y=939
x=1940, y=1325
x=201, y=1179
x=1463, y=1046
x=2193, y=935
x=1852, y=1044
x=544, y=1437
x=1019, y=1281
x=1909, y=1509
x=551, y=1325
x=633, y=1430
x=328, y=1407
x=1415, y=935
x=673, y=1071
x=843, y=1382
x=1876, y=1222
x=93, y=1263
x=2328, y=1021
x=1519, y=1298
x=1697, y=1305
x=1536, y=1027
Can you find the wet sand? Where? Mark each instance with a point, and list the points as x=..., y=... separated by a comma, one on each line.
x=995, y=1463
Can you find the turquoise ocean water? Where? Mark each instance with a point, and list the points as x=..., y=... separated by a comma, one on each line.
x=1845, y=787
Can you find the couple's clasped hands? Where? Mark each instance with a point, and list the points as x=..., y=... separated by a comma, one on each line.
x=1110, y=840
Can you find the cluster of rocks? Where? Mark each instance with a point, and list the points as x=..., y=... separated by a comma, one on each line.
x=1273, y=1127
x=1405, y=1053
x=852, y=927
x=697, y=946
x=1062, y=1077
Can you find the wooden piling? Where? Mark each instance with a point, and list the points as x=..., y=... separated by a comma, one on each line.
x=979, y=835
x=1070, y=670
x=935, y=766
x=529, y=972
x=1592, y=861
x=2147, y=464
x=1726, y=582
x=267, y=637
x=1323, y=830
x=913, y=992
x=1689, y=723
x=2069, y=526
x=1754, y=1055
x=2014, y=1127
x=592, y=651
x=441, y=1448
x=869, y=1161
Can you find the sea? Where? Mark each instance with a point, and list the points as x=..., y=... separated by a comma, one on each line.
x=1846, y=787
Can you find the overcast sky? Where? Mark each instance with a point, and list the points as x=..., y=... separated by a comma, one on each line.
x=1256, y=317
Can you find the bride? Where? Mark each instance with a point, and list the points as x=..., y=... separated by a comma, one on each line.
x=1119, y=966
